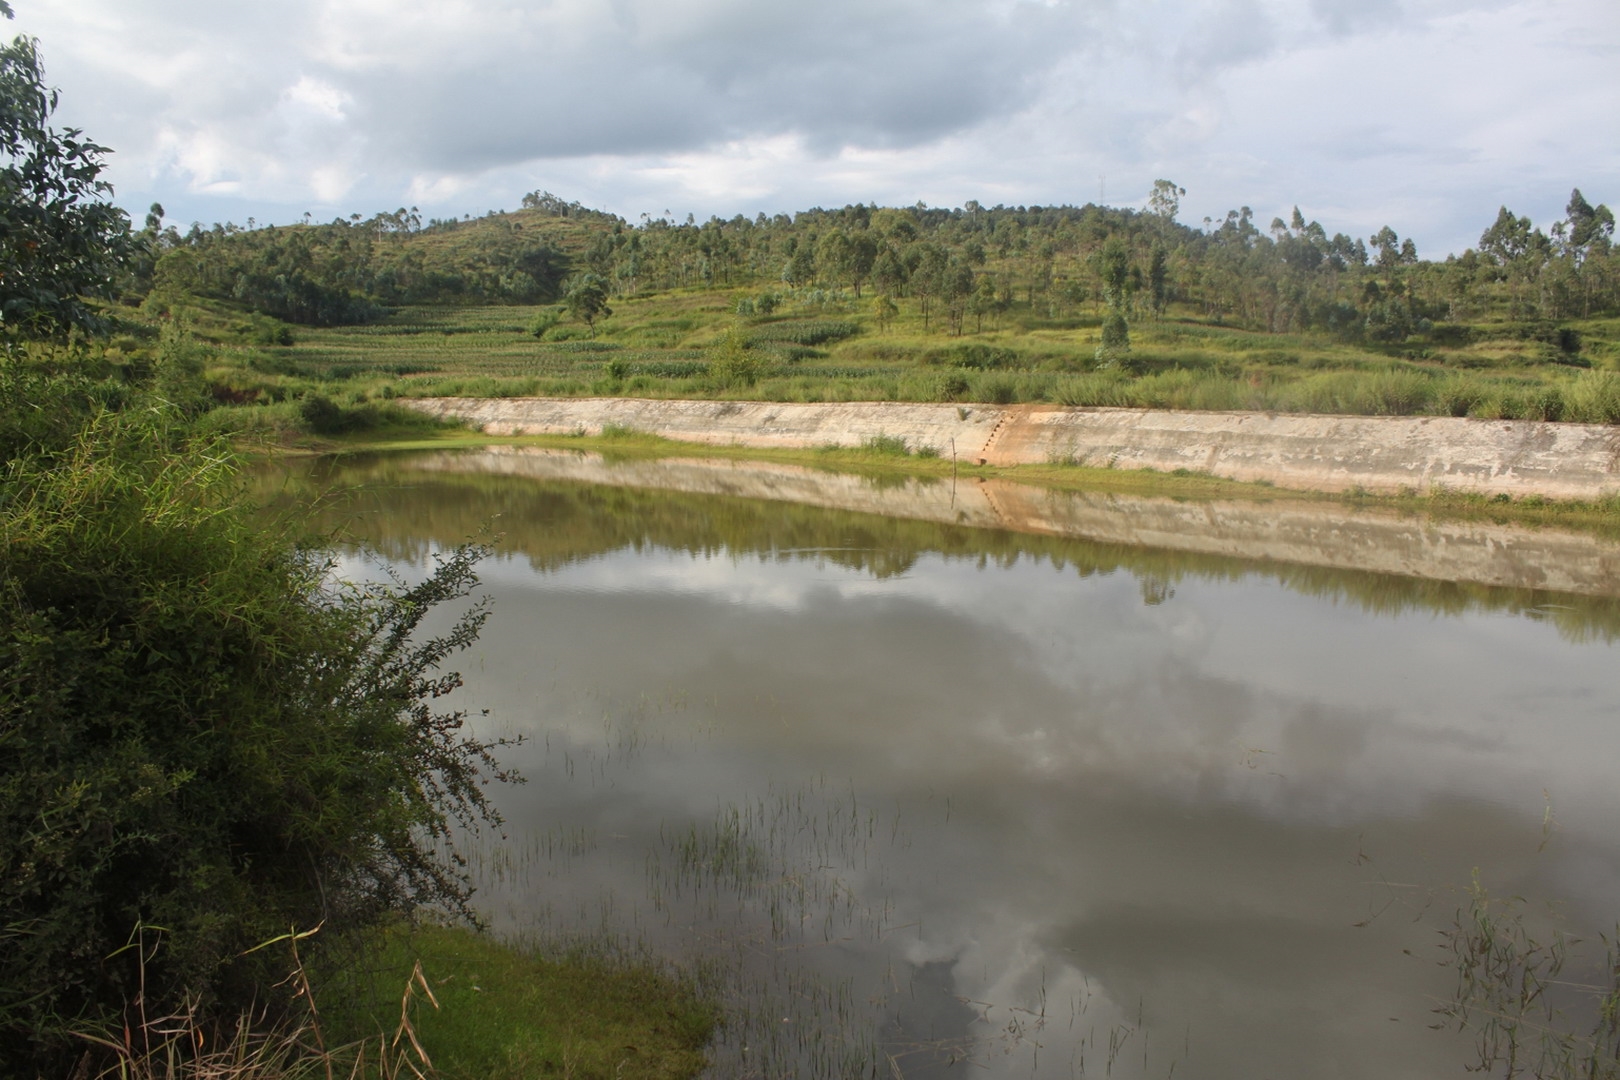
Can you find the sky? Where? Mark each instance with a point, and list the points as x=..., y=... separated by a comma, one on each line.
x=1425, y=115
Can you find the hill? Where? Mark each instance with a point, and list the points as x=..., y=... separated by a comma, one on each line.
x=1083, y=305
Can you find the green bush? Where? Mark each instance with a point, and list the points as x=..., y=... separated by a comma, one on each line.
x=885, y=445
x=952, y=386
x=734, y=365
x=203, y=739
x=326, y=417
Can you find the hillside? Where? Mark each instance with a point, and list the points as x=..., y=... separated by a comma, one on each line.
x=1079, y=305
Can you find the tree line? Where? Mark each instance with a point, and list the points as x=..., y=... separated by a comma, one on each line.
x=960, y=268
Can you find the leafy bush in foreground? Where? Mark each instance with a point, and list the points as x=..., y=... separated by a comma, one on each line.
x=200, y=733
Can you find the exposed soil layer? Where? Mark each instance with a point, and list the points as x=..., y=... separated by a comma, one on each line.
x=1383, y=454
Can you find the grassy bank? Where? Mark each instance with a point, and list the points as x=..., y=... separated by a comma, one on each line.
x=483, y=1010
x=432, y=1002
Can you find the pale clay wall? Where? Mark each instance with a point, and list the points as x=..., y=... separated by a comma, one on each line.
x=1320, y=453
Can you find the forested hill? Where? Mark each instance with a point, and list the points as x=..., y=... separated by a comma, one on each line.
x=957, y=267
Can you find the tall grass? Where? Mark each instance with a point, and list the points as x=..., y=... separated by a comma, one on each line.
x=1593, y=398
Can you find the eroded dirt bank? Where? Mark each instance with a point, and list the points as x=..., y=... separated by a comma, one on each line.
x=1313, y=534
x=1316, y=453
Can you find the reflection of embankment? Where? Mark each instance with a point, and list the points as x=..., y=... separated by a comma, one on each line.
x=1325, y=535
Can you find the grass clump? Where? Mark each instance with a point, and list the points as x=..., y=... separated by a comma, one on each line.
x=509, y=1014
x=885, y=446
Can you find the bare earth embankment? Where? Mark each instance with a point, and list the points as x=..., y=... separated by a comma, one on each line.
x=1316, y=453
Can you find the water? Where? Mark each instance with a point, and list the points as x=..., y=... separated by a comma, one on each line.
x=919, y=797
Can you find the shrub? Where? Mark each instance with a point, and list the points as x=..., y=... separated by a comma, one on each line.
x=200, y=731
x=1115, y=348
x=1457, y=397
x=886, y=445
x=982, y=357
x=952, y=386
x=734, y=363
x=544, y=322
x=326, y=417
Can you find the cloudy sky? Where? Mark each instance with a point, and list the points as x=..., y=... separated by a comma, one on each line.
x=1422, y=114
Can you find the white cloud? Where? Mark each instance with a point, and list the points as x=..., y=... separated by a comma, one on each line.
x=1425, y=114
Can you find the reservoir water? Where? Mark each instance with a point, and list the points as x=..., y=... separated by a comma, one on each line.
x=1001, y=792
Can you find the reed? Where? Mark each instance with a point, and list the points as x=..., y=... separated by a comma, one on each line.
x=1539, y=1003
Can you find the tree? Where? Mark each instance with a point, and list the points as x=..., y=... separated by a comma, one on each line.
x=1587, y=228
x=801, y=265
x=928, y=278
x=888, y=273
x=1115, y=348
x=586, y=300
x=60, y=240
x=834, y=256
x=884, y=310
x=1159, y=278
x=1507, y=239
x=1510, y=243
x=956, y=290
x=1165, y=201
x=1114, y=267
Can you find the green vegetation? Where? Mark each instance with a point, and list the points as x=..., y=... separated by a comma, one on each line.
x=205, y=741
x=431, y=1001
x=202, y=735
x=60, y=241
x=1085, y=305
x=208, y=746
x=506, y=1013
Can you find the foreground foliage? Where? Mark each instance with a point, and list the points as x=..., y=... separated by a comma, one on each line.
x=204, y=740
x=60, y=239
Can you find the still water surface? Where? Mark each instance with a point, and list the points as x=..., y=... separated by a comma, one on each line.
x=925, y=799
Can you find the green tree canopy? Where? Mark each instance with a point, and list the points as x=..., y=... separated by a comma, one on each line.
x=60, y=240
x=587, y=300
